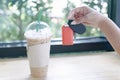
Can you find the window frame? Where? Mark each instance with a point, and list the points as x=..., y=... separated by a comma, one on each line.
x=18, y=48
x=114, y=11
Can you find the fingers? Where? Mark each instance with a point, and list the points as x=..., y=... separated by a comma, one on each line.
x=84, y=14
x=74, y=14
x=81, y=20
x=78, y=14
x=71, y=15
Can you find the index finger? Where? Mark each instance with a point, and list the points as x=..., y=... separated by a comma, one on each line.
x=76, y=13
x=71, y=15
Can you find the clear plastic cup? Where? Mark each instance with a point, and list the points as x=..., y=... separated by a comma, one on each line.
x=38, y=36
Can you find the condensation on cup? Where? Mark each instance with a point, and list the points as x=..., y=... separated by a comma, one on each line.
x=38, y=36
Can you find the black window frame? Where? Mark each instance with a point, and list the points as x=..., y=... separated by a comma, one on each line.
x=18, y=48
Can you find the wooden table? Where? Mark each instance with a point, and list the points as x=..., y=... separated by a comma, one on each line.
x=77, y=66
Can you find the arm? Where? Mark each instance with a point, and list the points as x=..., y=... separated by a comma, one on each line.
x=88, y=16
x=112, y=32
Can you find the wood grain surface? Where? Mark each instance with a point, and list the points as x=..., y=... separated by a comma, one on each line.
x=73, y=66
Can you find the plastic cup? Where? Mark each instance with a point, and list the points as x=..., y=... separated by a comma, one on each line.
x=38, y=38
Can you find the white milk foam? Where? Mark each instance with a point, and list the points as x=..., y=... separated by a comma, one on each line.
x=41, y=34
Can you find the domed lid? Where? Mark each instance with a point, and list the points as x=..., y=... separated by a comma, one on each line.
x=37, y=30
x=38, y=26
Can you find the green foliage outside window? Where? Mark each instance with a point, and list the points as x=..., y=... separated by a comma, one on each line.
x=15, y=15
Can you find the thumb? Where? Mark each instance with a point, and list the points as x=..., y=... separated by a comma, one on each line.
x=81, y=20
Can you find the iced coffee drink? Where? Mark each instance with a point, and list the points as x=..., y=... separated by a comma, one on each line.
x=38, y=38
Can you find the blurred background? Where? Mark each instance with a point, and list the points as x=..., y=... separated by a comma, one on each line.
x=15, y=15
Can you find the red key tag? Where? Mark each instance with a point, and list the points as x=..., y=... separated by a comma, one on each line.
x=67, y=35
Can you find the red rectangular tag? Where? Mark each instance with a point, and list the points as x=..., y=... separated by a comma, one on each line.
x=67, y=35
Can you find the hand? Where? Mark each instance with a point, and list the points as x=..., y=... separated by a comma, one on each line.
x=86, y=15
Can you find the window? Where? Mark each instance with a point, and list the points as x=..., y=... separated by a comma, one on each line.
x=15, y=15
